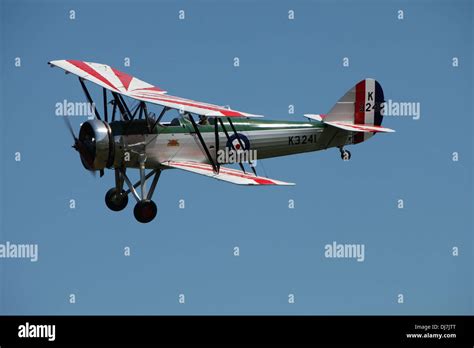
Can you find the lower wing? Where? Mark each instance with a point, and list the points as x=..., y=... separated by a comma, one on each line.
x=225, y=174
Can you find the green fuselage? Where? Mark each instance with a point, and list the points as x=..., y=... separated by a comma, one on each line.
x=178, y=140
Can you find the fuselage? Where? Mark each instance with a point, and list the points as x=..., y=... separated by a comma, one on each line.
x=178, y=141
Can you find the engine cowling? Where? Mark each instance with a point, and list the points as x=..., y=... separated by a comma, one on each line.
x=95, y=145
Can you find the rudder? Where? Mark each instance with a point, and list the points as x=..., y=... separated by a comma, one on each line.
x=362, y=104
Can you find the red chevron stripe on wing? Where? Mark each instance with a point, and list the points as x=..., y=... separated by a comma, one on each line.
x=225, y=174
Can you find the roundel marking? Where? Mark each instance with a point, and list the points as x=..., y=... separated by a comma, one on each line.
x=233, y=140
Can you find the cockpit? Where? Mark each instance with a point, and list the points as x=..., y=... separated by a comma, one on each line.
x=183, y=120
x=176, y=122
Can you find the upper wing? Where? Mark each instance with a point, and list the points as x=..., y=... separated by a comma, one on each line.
x=225, y=174
x=120, y=82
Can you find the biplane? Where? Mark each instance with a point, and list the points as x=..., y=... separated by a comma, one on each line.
x=125, y=136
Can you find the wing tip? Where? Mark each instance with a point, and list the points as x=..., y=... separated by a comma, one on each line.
x=56, y=61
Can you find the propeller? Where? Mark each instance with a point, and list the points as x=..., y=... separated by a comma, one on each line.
x=85, y=147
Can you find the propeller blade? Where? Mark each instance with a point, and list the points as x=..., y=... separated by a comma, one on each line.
x=69, y=126
x=84, y=151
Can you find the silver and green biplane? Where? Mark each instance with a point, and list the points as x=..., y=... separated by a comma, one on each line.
x=203, y=137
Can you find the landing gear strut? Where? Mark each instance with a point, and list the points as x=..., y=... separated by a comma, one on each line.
x=145, y=209
x=345, y=154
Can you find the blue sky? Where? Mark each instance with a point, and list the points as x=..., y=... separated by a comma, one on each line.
x=190, y=251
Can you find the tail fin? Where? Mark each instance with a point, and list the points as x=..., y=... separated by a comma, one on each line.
x=359, y=111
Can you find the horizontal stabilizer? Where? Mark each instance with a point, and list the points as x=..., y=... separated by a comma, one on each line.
x=315, y=117
x=225, y=174
x=365, y=128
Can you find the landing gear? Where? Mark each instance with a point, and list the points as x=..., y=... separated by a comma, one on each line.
x=345, y=154
x=116, y=201
x=145, y=211
x=116, y=198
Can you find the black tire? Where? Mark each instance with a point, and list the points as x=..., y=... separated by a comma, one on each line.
x=114, y=201
x=145, y=211
x=346, y=155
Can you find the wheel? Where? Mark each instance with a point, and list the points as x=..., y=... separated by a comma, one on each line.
x=114, y=201
x=345, y=155
x=145, y=211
